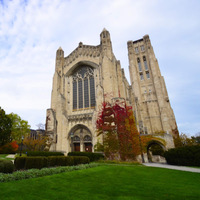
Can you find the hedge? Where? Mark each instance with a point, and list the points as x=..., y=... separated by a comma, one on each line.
x=19, y=163
x=44, y=153
x=6, y=166
x=60, y=161
x=36, y=162
x=90, y=155
x=51, y=161
x=185, y=156
x=34, y=173
x=80, y=159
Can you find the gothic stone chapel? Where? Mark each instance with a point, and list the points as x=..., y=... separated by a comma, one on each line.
x=90, y=75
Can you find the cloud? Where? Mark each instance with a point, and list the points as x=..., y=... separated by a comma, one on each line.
x=32, y=30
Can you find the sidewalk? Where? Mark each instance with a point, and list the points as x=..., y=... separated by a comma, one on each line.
x=11, y=156
x=182, y=168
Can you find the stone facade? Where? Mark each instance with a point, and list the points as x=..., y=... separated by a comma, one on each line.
x=91, y=75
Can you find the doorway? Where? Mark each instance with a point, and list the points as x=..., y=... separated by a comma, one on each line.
x=76, y=146
x=88, y=147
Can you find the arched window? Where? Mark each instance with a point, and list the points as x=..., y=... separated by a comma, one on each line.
x=76, y=139
x=87, y=138
x=83, y=88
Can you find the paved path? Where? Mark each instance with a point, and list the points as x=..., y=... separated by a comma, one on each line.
x=11, y=156
x=182, y=168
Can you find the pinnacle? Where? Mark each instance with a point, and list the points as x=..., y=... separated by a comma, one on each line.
x=60, y=48
x=104, y=30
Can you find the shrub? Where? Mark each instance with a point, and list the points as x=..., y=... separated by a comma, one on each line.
x=9, y=148
x=90, y=155
x=60, y=161
x=6, y=166
x=81, y=160
x=20, y=163
x=186, y=156
x=36, y=162
x=33, y=173
x=44, y=153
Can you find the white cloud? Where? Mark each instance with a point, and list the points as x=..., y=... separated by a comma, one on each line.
x=31, y=31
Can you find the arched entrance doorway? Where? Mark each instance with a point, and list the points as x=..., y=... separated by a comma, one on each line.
x=155, y=150
x=80, y=139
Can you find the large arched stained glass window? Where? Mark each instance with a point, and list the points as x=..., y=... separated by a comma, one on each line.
x=83, y=88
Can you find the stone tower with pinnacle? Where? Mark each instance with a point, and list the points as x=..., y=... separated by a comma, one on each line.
x=90, y=75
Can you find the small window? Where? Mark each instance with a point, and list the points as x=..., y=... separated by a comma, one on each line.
x=145, y=130
x=147, y=74
x=145, y=63
x=141, y=77
x=136, y=50
x=142, y=48
x=139, y=65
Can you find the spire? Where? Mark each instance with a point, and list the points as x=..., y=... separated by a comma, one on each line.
x=59, y=53
x=60, y=48
x=104, y=30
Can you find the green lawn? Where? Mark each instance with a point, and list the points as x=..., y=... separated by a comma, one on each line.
x=108, y=182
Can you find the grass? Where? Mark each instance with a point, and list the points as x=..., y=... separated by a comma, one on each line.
x=118, y=162
x=107, y=182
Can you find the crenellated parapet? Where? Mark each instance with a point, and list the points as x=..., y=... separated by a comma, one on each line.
x=83, y=50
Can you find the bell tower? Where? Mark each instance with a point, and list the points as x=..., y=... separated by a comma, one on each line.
x=154, y=111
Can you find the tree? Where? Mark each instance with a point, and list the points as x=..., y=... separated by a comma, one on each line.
x=196, y=138
x=121, y=138
x=40, y=143
x=117, y=125
x=19, y=127
x=106, y=126
x=183, y=140
x=41, y=126
x=5, y=128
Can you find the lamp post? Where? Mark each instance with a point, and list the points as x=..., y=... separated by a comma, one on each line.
x=72, y=135
x=141, y=149
x=21, y=146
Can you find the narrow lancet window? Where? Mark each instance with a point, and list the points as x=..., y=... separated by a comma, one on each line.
x=86, y=93
x=74, y=95
x=139, y=65
x=80, y=94
x=92, y=92
x=145, y=63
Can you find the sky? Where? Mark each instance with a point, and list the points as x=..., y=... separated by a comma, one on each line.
x=32, y=30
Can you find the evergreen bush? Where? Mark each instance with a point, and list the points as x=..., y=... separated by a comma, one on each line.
x=81, y=160
x=185, y=156
x=20, y=163
x=6, y=166
x=36, y=162
x=44, y=153
x=90, y=155
x=60, y=161
x=51, y=161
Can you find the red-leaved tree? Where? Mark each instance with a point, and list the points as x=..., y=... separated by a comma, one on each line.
x=117, y=125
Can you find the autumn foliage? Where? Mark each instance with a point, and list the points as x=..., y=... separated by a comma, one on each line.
x=121, y=140
x=41, y=143
x=120, y=136
x=11, y=147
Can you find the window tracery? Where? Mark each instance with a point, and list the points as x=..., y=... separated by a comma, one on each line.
x=83, y=88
